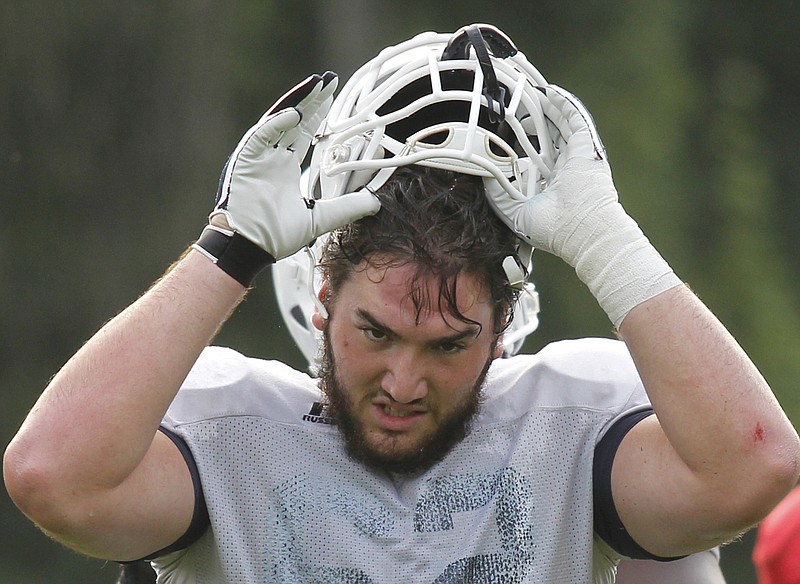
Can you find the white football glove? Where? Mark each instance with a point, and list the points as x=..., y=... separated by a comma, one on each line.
x=578, y=217
x=260, y=215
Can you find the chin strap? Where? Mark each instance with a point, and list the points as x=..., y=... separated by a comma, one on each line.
x=486, y=41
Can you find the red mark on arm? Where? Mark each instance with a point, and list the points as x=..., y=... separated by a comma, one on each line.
x=759, y=433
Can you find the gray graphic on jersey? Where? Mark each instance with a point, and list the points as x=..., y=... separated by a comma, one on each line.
x=302, y=496
x=513, y=504
x=505, y=493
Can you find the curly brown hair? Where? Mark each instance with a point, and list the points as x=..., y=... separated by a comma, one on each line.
x=439, y=221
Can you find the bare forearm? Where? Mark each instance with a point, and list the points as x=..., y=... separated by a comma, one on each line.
x=97, y=418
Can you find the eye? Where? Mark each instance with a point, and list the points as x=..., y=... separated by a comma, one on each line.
x=374, y=334
x=450, y=348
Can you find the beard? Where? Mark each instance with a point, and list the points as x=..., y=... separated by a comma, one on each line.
x=429, y=450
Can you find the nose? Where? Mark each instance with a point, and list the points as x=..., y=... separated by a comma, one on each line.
x=405, y=379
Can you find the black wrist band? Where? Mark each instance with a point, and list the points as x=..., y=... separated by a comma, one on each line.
x=234, y=254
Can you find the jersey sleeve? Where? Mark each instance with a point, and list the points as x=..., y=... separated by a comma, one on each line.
x=224, y=383
x=607, y=523
x=595, y=375
x=200, y=520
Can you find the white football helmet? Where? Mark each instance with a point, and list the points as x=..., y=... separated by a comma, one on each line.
x=466, y=102
x=297, y=280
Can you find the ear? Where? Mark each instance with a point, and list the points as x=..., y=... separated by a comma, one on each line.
x=499, y=347
x=317, y=319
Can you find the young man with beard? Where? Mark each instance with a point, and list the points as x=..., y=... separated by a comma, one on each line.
x=419, y=285
x=224, y=468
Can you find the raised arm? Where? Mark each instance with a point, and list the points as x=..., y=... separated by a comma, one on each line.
x=720, y=452
x=89, y=465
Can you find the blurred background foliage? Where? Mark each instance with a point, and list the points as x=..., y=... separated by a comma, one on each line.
x=115, y=119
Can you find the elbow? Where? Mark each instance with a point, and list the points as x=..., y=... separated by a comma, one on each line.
x=783, y=468
x=34, y=487
x=772, y=476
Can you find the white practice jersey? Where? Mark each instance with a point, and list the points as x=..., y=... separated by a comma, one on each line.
x=511, y=503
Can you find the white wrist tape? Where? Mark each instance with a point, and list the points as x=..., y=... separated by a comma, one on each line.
x=620, y=266
x=604, y=244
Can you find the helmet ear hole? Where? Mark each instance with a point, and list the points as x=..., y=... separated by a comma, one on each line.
x=297, y=314
x=506, y=134
x=436, y=138
x=499, y=149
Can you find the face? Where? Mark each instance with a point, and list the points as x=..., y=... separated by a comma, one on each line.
x=404, y=386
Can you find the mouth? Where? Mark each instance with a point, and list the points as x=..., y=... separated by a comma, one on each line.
x=398, y=412
x=397, y=418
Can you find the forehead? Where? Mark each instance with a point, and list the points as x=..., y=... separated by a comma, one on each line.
x=401, y=291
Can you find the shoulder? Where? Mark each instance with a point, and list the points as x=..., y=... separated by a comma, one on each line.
x=225, y=367
x=590, y=373
x=225, y=383
x=590, y=361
